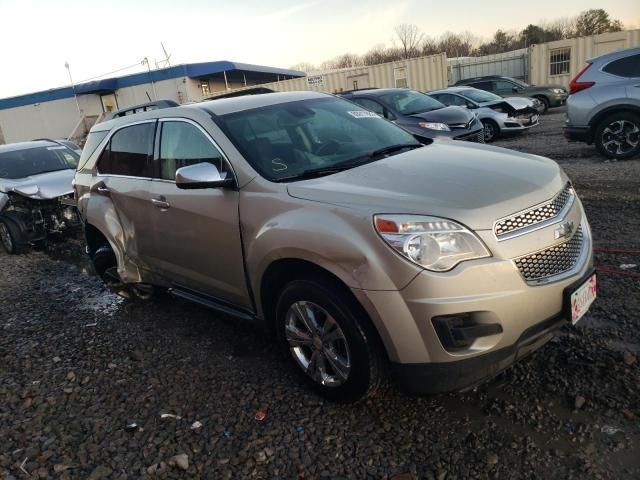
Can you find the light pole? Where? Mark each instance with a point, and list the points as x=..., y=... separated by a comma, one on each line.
x=73, y=88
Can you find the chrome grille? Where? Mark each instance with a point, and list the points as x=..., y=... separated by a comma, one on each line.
x=533, y=216
x=552, y=261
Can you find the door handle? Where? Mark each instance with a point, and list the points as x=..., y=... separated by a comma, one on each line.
x=160, y=203
x=100, y=188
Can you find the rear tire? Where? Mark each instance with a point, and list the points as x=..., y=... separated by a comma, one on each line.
x=618, y=136
x=322, y=331
x=11, y=238
x=491, y=130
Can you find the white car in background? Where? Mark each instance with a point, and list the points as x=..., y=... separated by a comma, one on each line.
x=498, y=115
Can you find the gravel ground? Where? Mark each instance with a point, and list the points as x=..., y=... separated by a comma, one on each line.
x=85, y=379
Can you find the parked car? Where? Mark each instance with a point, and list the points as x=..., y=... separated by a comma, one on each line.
x=498, y=115
x=36, y=194
x=355, y=244
x=604, y=105
x=548, y=95
x=419, y=114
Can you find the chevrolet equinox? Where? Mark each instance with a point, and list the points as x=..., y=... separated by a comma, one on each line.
x=362, y=250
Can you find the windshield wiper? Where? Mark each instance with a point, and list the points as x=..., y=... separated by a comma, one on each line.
x=339, y=167
x=392, y=148
x=314, y=173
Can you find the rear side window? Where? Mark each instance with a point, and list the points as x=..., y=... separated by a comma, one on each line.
x=129, y=152
x=449, y=99
x=183, y=144
x=628, y=67
x=488, y=86
x=370, y=105
x=93, y=140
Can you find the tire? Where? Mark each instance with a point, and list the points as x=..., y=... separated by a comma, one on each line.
x=618, y=136
x=106, y=267
x=545, y=104
x=348, y=356
x=491, y=130
x=11, y=238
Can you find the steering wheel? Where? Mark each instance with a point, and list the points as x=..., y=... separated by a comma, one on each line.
x=332, y=146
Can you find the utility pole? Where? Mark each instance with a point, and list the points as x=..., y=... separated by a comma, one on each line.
x=73, y=88
x=145, y=61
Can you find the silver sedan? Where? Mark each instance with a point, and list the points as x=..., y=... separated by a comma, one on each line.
x=498, y=115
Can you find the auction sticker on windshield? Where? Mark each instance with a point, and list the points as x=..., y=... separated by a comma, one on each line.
x=363, y=114
x=582, y=298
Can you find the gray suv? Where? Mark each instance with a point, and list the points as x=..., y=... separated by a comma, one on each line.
x=361, y=249
x=604, y=105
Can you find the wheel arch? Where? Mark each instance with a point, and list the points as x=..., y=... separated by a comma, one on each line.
x=284, y=270
x=601, y=115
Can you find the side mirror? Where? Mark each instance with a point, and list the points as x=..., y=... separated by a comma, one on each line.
x=471, y=105
x=388, y=115
x=202, y=175
x=515, y=89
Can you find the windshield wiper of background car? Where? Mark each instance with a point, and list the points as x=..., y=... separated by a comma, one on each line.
x=339, y=167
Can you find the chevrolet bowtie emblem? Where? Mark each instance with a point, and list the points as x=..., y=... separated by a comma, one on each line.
x=564, y=230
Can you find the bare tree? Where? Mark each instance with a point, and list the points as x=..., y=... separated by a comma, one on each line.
x=343, y=61
x=410, y=39
x=304, y=67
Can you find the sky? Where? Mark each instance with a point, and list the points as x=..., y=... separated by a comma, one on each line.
x=38, y=37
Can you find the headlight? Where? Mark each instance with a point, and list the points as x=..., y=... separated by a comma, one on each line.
x=437, y=244
x=557, y=90
x=435, y=126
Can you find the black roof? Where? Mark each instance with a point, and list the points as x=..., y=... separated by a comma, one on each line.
x=475, y=79
x=371, y=91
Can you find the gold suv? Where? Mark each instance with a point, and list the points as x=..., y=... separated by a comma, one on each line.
x=362, y=249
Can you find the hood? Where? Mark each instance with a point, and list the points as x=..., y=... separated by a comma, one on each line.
x=517, y=103
x=449, y=115
x=473, y=184
x=45, y=186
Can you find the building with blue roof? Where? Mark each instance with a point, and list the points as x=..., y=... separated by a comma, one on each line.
x=70, y=111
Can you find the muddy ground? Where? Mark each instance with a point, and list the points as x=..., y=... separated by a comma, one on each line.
x=85, y=378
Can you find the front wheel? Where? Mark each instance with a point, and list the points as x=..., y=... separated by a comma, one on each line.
x=545, y=104
x=329, y=341
x=10, y=237
x=618, y=136
x=491, y=130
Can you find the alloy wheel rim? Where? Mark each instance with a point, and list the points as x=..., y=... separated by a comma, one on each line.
x=488, y=132
x=5, y=236
x=318, y=344
x=620, y=137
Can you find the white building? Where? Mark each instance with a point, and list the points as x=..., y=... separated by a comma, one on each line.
x=70, y=111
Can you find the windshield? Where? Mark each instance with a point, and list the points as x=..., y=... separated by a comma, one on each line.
x=520, y=83
x=410, y=102
x=480, y=95
x=288, y=139
x=33, y=161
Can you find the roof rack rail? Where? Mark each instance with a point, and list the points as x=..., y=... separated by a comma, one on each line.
x=242, y=93
x=143, y=107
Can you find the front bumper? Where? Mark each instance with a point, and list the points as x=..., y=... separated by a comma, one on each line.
x=491, y=292
x=517, y=125
x=558, y=99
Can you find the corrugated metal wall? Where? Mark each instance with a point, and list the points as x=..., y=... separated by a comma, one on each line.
x=509, y=64
x=421, y=73
x=582, y=49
